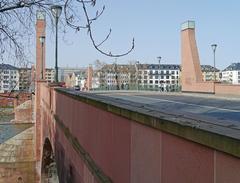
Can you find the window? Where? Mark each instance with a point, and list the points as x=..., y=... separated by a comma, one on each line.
x=156, y=77
x=172, y=72
x=150, y=81
x=173, y=77
x=167, y=72
x=167, y=77
x=156, y=82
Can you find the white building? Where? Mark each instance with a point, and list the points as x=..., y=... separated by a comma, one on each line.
x=63, y=72
x=163, y=77
x=231, y=74
x=9, y=78
x=50, y=75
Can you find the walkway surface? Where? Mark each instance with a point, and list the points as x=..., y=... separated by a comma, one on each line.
x=207, y=107
x=215, y=114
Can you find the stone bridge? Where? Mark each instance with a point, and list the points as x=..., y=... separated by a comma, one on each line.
x=94, y=138
x=123, y=138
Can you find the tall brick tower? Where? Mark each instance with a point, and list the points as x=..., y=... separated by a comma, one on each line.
x=40, y=52
x=40, y=71
x=191, y=75
x=89, y=77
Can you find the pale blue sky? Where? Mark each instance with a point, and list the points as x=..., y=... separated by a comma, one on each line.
x=155, y=25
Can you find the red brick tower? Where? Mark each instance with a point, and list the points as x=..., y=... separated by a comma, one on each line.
x=40, y=31
x=89, y=77
x=191, y=75
x=40, y=71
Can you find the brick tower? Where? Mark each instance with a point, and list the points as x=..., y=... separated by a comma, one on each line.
x=89, y=77
x=191, y=75
x=40, y=31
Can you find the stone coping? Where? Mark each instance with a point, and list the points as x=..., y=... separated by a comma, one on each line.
x=210, y=134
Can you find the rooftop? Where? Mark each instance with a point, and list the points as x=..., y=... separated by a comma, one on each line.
x=7, y=67
x=209, y=68
x=233, y=67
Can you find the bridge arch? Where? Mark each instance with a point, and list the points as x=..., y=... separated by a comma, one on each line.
x=48, y=167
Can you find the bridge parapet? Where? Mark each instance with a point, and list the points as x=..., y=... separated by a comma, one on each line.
x=101, y=139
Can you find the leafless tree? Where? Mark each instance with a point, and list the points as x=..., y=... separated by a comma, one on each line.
x=17, y=18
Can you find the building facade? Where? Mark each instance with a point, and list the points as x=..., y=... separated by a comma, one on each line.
x=63, y=72
x=49, y=75
x=164, y=77
x=209, y=71
x=117, y=76
x=9, y=78
x=25, y=79
x=231, y=74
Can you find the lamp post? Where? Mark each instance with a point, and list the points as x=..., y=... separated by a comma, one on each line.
x=137, y=64
x=159, y=60
x=56, y=12
x=214, y=47
x=42, y=41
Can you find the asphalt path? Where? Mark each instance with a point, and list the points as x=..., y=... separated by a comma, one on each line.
x=220, y=111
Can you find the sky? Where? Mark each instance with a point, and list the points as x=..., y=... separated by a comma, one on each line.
x=155, y=26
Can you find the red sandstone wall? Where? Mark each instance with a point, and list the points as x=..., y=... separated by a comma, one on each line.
x=130, y=152
x=205, y=87
x=227, y=89
x=23, y=113
x=8, y=99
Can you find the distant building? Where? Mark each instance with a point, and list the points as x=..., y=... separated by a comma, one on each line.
x=231, y=74
x=208, y=73
x=50, y=75
x=116, y=76
x=9, y=78
x=25, y=79
x=165, y=77
x=63, y=72
x=75, y=79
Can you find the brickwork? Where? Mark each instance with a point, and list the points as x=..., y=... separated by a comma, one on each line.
x=89, y=77
x=23, y=112
x=40, y=31
x=13, y=99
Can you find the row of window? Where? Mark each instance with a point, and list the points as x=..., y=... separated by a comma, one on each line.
x=156, y=77
x=158, y=72
x=8, y=72
x=158, y=82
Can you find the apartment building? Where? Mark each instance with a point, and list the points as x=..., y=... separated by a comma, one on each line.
x=117, y=76
x=9, y=78
x=165, y=77
x=231, y=74
x=25, y=79
x=49, y=75
x=209, y=71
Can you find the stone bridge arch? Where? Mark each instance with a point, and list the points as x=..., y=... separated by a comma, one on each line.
x=48, y=168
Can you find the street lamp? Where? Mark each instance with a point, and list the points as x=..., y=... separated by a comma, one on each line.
x=42, y=41
x=137, y=65
x=56, y=12
x=214, y=47
x=159, y=60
